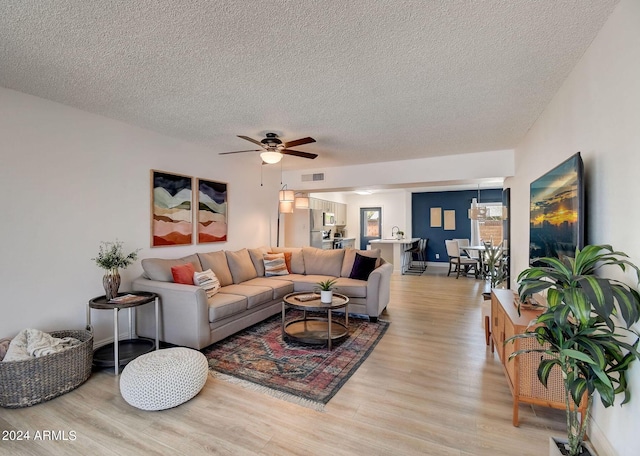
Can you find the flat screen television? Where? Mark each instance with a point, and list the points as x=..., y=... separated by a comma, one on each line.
x=557, y=211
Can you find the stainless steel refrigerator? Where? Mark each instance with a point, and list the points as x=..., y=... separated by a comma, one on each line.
x=315, y=228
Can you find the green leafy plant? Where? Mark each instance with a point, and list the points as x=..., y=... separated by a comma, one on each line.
x=494, y=263
x=584, y=330
x=111, y=255
x=326, y=285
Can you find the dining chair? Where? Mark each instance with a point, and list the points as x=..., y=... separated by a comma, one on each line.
x=459, y=263
x=464, y=243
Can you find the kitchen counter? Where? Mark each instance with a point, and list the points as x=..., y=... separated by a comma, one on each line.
x=392, y=250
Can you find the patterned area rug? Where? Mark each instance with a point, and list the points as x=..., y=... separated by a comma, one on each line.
x=309, y=375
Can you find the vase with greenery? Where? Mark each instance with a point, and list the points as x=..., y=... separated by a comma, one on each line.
x=326, y=290
x=585, y=329
x=111, y=257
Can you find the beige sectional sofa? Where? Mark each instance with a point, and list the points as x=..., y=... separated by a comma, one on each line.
x=189, y=318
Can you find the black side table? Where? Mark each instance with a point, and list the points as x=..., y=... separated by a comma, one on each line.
x=120, y=352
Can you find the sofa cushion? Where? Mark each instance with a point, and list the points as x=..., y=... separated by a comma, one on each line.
x=280, y=287
x=217, y=262
x=160, y=268
x=274, y=265
x=183, y=273
x=353, y=288
x=241, y=266
x=350, y=257
x=303, y=282
x=362, y=267
x=255, y=295
x=224, y=305
x=297, y=260
x=256, y=258
x=322, y=262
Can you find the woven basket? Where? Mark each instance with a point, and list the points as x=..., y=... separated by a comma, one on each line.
x=29, y=382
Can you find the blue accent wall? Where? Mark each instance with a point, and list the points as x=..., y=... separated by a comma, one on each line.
x=459, y=201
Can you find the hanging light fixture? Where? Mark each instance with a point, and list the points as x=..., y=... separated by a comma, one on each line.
x=285, y=207
x=302, y=201
x=477, y=213
x=482, y=213
x=286, y=195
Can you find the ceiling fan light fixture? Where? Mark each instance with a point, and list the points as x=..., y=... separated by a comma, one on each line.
x=271, y=157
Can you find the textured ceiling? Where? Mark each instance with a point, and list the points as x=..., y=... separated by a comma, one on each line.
x=370, y=80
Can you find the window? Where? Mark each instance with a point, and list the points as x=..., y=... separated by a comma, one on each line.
x=490, y=227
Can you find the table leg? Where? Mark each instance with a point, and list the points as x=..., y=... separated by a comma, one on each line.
x=131, y=324
x=116, y=359
x=346, y=316
x=329, y=330
x=88, y=316
x=157, y=325
x=283, y=306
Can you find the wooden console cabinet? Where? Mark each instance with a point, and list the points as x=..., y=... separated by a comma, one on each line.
x=521, y=371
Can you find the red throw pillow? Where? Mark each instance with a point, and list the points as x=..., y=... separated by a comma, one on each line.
x=183, y=273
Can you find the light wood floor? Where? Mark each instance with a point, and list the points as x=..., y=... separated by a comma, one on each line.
x=431, y=386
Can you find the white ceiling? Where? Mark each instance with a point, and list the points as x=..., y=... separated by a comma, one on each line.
x=370, y=80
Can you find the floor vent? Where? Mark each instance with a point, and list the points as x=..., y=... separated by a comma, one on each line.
x=312, y=177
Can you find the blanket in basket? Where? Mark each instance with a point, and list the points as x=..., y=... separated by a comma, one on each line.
x=33, y=343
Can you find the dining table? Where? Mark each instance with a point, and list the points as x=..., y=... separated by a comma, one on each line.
x=480, y=249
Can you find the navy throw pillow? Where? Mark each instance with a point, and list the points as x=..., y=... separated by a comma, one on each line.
x=362, y=267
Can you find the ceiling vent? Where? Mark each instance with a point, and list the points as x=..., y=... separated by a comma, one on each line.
x=312, y=177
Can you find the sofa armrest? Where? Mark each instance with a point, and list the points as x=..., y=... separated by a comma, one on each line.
x=378, y=289
x=184, y=313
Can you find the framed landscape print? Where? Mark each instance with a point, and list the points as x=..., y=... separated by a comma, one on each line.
x=171, y=213
x=212, y=206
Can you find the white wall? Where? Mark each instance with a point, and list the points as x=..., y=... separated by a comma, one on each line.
x=70, y=179
x=596, y=112
x=396, y=211
x=451, y=168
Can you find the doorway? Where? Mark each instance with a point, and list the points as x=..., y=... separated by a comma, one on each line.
x=370, y=225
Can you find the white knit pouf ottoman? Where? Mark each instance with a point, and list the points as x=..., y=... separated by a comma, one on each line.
x=164, y=378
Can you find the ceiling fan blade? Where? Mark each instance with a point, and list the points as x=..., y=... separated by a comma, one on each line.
x=250, y=139
x=299, y=142
x=298, y=153
x=240, y=151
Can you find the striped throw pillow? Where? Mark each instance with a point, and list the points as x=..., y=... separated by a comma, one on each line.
x=274, y=264
x=208, y=281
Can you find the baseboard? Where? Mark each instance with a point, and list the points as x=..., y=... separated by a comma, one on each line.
x=109, y=340
x=599, y=440
x=437, y=264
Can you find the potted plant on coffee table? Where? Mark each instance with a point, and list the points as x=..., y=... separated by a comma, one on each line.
x=584, y=330
x=326, y=290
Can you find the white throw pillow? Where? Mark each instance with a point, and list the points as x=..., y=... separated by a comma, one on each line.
x=275, y=265
x=208, y=281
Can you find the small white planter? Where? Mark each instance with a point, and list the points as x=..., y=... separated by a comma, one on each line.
x=326, y=296
x=554, y=451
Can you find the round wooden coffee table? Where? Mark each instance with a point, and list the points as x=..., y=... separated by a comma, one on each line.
x=314, y=329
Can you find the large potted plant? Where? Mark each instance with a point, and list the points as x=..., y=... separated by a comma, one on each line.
x=584, y=330
x=494, y=263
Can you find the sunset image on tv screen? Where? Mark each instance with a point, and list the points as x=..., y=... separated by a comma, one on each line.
x=555, y=212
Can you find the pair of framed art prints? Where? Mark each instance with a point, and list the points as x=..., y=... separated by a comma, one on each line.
x=173, y=198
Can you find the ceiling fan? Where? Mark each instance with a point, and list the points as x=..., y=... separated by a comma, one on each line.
x=273, y=148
